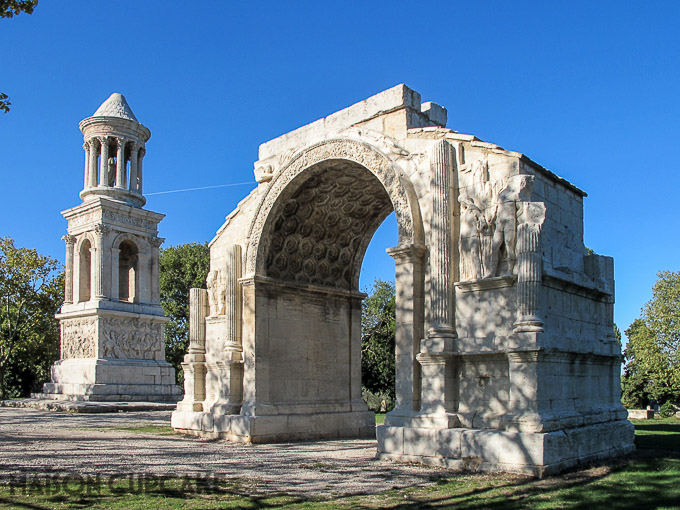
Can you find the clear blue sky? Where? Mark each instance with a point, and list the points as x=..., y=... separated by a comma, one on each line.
x=588, y=89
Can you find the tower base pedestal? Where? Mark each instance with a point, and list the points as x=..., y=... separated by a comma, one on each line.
x=112, y=380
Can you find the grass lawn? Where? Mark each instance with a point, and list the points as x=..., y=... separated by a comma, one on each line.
x=649, y=479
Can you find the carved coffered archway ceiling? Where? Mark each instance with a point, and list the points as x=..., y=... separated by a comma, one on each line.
x=320, y=231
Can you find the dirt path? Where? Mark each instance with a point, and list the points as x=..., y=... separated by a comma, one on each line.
x=36, y=442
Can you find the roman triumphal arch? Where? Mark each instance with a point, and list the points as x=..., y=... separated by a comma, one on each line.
x=505, y=351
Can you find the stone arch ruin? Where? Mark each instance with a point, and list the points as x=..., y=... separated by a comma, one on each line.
x=505, y=351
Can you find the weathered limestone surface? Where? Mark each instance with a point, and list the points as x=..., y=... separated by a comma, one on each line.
x=112, y=345
x=505, y=355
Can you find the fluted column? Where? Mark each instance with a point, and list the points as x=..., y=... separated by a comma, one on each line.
x=68, y=277
x=86, y=147
x=194, y=361
x=232, y=312
x=155, y=282
x=98, y=266
x=138, y=187
x=120, y=164
x=92, y=166
x=442, y=316
x=529, y=267
x=198, y=311
x=104, y=161
x=134, y=160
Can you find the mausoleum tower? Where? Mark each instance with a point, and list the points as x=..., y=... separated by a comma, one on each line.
x=112, y=342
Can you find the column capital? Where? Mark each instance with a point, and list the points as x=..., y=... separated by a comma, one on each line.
x=156, y=241
x=69, y=239
x=407, y=253
x=100, y=230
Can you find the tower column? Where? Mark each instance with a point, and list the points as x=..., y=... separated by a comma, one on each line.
x=68, y=279
x=134, y=176
x=120, y=164
x=92, y=166
x=104, y=161
x=86, y=147
x=138, y=184
x=98, y=267
x=155, y=269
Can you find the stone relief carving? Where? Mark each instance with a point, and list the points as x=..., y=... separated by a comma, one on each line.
x=130, y=338
x=78, y=338
x=350, y=150
x=216, y=292
x=489, y=222
x=82, y=220
x=128, y=220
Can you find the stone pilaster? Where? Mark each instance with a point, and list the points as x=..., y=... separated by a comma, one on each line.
x=194, y=361
x=232, y=312
x=120, y=164
x=104, y=161
x=155, y=243
x=98, y=266
x=68, y=277
x=529, y=267
x=409, y=325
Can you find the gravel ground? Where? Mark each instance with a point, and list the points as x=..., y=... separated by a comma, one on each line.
x=65, y=444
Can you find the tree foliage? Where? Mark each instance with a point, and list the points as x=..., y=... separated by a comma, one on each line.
x=652, y=370
x=9, y=9
x=31, y=292
x=181, y=268
x=377, y=340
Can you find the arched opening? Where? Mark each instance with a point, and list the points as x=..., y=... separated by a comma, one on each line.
x=378, y=320
x=84, y=271
x=127, y=272
x=319, y=231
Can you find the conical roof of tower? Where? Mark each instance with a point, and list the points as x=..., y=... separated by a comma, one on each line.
x=115, y=106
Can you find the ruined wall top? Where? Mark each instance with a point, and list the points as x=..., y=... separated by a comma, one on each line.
x=391, y=100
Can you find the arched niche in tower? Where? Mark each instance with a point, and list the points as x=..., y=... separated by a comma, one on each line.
x=84, y=271
x=128, y=262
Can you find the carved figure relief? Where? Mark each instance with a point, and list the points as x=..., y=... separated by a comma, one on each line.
x=78, y=338
x=216, y=292
x=489, y=222
x=130, y=339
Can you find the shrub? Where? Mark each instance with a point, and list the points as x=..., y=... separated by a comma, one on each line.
x=667, y=410
x=374, y=400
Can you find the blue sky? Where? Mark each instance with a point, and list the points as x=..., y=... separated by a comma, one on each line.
x=587, y=89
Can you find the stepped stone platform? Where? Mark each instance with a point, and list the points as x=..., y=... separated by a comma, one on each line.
x=88, y=407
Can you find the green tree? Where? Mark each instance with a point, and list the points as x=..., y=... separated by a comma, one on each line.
x=652, y=355
x=377, y=340
x=31, y=292
x=181, y=268
x=9, y=9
